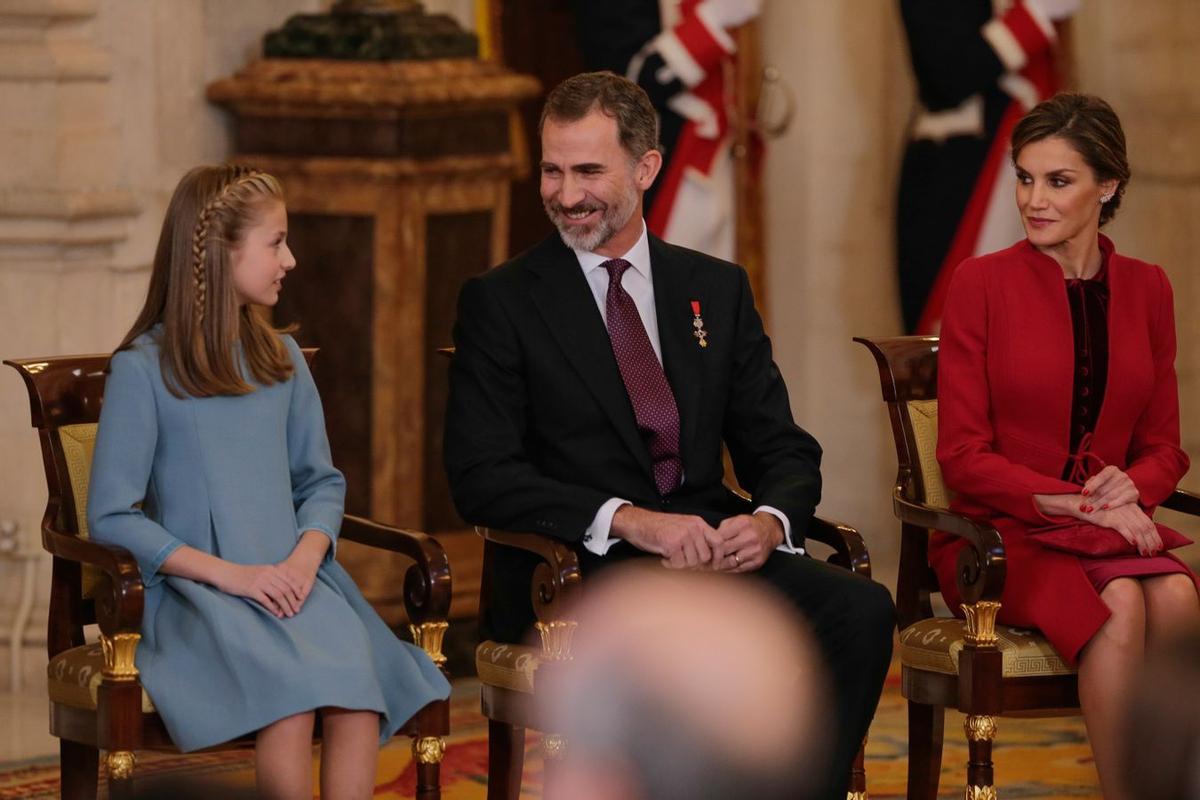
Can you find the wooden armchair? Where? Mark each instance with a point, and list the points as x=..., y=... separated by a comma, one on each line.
x=510, y=673
x=983, y=669
x=96, y=700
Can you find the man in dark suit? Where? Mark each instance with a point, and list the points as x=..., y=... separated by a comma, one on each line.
x=595, y=379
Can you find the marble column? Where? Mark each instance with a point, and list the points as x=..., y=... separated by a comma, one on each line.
x=830, y=189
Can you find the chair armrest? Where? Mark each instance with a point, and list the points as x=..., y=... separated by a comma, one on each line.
x=556, y=581
x=982, y=566
x=120, y=603
x=427, y=584
x=1183, y=502
x=849, y=549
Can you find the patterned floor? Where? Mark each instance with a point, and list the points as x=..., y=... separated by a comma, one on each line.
x=1043, y=758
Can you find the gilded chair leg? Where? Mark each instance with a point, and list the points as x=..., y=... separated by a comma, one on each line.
x=506, y=760
x=79, y=768
x=980, y=780
x=925, y=727
x=119, y=765
x=858, y=775
x=428, y=752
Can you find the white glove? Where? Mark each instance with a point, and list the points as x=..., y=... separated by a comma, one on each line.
x=730, y=13
x=1055, y=10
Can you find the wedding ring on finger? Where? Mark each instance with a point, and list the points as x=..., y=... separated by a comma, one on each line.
x=737, y=559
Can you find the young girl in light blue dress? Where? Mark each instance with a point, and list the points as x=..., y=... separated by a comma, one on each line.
x=212, y=468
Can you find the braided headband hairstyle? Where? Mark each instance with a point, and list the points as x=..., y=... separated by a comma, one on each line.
x=191, y=291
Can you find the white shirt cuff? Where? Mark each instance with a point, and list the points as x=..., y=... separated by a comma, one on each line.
x=786, y=546
x=598, y=536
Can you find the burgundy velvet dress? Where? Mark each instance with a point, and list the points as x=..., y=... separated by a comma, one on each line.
x=1089, y=321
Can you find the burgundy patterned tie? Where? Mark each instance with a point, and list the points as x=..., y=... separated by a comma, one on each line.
x=645, y=382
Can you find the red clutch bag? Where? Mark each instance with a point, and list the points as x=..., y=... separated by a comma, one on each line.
x=1084, y=539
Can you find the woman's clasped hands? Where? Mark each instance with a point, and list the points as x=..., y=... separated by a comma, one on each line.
x=1109, y=499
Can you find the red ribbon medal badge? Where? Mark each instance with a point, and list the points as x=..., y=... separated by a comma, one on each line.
x=698, y=325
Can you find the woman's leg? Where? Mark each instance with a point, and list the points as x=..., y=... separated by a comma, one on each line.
x=349, y=753
x=283, y=758
x=1107, y=666
x=1171, y=603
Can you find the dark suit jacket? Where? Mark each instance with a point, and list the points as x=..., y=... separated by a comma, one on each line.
x=540, y=431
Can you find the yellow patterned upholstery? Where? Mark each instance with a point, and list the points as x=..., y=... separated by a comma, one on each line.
x=923, y=414
x=73, y=678
x=78, y=444
x=934, y=644
x=508, y=666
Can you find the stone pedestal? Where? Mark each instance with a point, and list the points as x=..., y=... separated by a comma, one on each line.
x=397, y=180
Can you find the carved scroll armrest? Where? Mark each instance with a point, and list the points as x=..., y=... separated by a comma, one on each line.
x=556, y=585
x=981, y=566
x=120, y=601
x=849, y=549
x=1184, y=502
x=427, y=583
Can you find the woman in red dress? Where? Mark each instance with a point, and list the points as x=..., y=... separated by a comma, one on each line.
x=1058, y=403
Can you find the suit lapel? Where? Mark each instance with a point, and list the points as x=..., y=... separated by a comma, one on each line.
x=565, y=301
x=682, y=354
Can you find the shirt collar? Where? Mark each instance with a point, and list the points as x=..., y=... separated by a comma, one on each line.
x=638, y=256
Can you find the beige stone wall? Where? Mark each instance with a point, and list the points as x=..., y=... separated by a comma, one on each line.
x=830, y=188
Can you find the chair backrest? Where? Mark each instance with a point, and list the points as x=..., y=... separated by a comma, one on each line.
x=908, y=378
x=65, y=396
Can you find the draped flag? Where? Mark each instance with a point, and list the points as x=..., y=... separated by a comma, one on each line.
x=681, y=52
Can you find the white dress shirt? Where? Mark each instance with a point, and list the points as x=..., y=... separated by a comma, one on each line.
x=638, y=284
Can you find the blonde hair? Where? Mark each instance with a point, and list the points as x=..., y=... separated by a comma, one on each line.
x=191, y=289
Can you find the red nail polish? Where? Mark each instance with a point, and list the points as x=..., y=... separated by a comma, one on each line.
x=1085, y=492
x=1104, y=507
x=1082, y=507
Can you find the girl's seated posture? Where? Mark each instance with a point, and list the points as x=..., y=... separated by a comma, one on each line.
x=212, y=467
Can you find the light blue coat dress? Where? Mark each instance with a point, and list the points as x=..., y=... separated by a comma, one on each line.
x=240, y=478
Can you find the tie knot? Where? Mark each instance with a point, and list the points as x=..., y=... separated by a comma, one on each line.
x=616, y=268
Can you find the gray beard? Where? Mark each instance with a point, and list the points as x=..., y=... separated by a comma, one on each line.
x=605, y=229
x=586, y=240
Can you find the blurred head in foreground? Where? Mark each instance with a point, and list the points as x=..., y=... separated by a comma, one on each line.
x=1162, y=746
x=686, y=685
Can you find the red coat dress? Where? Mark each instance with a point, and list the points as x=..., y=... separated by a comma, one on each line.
x=1005, y=378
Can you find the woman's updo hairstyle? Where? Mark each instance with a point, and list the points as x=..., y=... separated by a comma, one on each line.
x=1091, y=126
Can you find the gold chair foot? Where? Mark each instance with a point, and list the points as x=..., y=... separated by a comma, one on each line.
x=119, y=764
x=429, y=749
x=980, y=793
